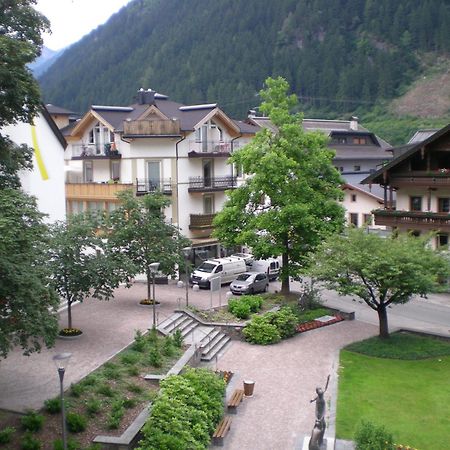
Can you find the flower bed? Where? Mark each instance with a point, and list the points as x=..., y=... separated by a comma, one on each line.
x=70, y=332
x=313, y=324
x=147, y=301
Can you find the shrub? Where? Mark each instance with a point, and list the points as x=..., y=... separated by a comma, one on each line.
x=93, y=406
x=369, y=436
x=285, y=321
x=32, y=421
x=129, y=402
x=152, y=336
x=6, y=435
x=261, y=331
x=135, y=388
x=116, y=414
x=71, y=444
x=154, y=357
x=177, y=338
x=90, y=380
x=112, y=373
x=168, y=348
x=76, y=390
x=239, y=309
x=186, y=411
x=106, y=390
x=53, y=405
x=254, y=301
x=139, y=342
x=76, y=422
x=30, y=443
x=133, y=371
x=131, y=357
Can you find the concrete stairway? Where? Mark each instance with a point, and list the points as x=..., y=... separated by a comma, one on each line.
x=211, y=340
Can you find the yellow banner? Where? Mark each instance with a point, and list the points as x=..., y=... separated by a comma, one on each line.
x=38, y=155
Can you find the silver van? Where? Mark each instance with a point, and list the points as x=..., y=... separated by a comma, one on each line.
x=271, y=266
x=227, y=268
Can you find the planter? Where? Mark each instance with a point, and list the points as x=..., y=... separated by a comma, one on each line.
x=249, y=386
x=69, y=333
x=146, y=302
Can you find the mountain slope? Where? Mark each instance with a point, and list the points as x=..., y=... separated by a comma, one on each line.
x=336, y=54
x=47, y=58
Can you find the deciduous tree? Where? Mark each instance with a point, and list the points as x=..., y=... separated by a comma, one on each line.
x=381, y=271
x=289, y=202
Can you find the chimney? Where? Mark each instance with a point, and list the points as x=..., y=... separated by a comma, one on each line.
x=146, y=97
x=251, y=113
x=354, y=123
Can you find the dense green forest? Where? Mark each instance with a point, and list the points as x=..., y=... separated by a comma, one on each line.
x=340, y=56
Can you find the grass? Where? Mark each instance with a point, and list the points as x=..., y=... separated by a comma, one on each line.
x=410, y=397
x=402, y=346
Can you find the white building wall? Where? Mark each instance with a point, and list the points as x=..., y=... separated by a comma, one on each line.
x=403, y=198
x=49, y=188
x=363, y=204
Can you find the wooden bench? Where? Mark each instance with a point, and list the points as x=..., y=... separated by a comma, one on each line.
x=235, y=400
x=221, y=430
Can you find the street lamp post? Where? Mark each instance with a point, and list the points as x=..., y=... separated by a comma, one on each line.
x=153, y=269
x=61, y=361
x=187, y=252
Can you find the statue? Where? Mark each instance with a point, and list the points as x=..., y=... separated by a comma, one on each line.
x=320, y=425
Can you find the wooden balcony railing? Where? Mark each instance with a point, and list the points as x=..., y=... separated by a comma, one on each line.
x=145, y=128
x=200, y=184
x=94, y=151
x=211, y=148
x=201, y=221
x=94, y=191
x=146, y=186
x=414, y=219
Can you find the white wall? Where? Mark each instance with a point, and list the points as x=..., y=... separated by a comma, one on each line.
x=364, y=204
x=50, y=192
x=403, y=198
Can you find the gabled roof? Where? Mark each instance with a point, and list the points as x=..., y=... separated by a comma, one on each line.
x=352, y=187
x=408, y=150
x=53, y=126
x=52, y=109
x=421, y=135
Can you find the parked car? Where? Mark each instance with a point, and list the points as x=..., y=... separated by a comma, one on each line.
x=271, y=266
x=250, y=283
x=226, y=268
x=247, y=257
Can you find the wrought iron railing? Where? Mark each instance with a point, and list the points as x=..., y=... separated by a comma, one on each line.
x=92, y=150
x=214, y=147
x=146, y=186
x=212, y=183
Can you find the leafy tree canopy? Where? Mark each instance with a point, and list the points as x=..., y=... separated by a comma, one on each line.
x=289, y=201
x=27, y=300
x=138, y=231
x=378, y=270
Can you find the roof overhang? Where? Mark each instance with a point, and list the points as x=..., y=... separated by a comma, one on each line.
x=86, y=120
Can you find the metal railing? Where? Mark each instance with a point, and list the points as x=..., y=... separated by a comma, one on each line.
x=212, y=183
x=219, y=147
x=92, y=150
x=146, y=186
x=201, y=220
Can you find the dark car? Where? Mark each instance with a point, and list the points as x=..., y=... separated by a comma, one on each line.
x=250, y=283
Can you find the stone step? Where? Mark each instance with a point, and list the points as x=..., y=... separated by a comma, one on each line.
x=167, y=324
x=189, y=329
x=209, y=337
x=175, y=322
x=217, y=345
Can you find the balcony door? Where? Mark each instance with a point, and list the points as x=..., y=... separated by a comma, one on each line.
x=207, y=172
x=208, y=204
x=154, y=175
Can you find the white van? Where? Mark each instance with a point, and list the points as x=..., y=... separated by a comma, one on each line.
x=271, y=266
x=228, y=269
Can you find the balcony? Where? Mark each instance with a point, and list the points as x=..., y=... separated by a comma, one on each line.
x=94, y=151
x=413, y=219
x=200, y=184
x=211, y=149
x=438, y=177
x=151, y=128
x=146, y=186
x=94, y=191
x=201, y=221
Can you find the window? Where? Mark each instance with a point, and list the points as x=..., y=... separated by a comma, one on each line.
x=153, y=174
x=76, y=207
x=238, y=170
x=359, y=140
x=219, y=268
x=354, y=219
x=356, y=168
x=341, y=169
x=442, y=240
x=88, y=171
x=368, y=219
x=207, y=172
x=95, y=206
x=444, y=205
x=111, y=206
x=415, y=203
x=91, y=137
x=208, y=204
x=115, y=170
x=353, y=197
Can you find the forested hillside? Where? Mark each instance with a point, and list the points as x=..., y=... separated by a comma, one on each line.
x=338, y=55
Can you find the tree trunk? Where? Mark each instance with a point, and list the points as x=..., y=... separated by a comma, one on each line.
x=149, y=295
x=382, y=317
x=69, y=314
x=285, y=288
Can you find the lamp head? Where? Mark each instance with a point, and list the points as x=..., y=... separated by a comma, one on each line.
x=61, y=360
x=154, y=267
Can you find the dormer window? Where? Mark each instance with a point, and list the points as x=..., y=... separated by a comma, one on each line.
x=360, y=140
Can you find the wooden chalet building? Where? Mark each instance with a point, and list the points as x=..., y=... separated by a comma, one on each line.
x=419, y=174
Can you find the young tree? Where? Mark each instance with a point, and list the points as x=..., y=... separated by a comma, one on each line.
x=80, y=263
x=378, y=270
x=27, y=301
x=289, y=202
x=139, y=232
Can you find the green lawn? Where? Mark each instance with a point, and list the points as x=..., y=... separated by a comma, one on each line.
x=410, y=397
